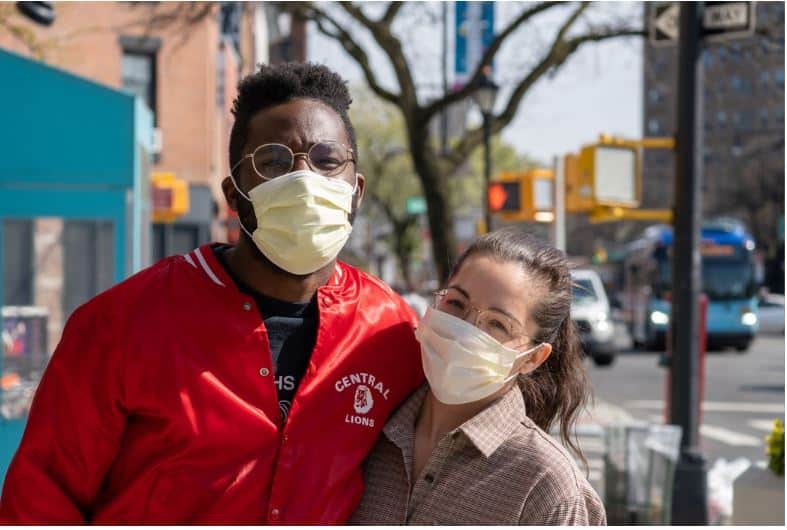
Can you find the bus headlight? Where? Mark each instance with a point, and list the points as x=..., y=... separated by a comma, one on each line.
x=659, y=318
x=748, y=319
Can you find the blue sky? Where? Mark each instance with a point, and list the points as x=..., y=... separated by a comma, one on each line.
x=598, y=90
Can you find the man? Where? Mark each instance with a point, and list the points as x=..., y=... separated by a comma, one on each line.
x=237, y=384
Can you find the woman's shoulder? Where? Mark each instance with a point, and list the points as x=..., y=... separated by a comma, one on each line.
x=552, y=483
x=548, y=465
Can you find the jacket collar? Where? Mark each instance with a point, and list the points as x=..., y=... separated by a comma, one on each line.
x=204, y=261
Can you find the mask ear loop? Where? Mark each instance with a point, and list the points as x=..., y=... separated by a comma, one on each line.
x=355, y=188
x=232, y=177
x=522, y=354
x=237, y=188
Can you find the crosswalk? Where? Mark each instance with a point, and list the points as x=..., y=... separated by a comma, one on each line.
x=735, y=438
x=716, y=406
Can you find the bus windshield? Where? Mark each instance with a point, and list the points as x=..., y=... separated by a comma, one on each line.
x=722, y=279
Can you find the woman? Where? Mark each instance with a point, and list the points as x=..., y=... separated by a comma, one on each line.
x=503, y=364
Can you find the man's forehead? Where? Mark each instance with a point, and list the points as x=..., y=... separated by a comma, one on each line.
x=298, y=121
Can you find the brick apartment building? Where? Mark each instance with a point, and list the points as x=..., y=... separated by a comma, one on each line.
x=184, y=61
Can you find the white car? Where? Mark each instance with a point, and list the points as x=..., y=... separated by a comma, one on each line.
x=771, y=314
x=591, y=313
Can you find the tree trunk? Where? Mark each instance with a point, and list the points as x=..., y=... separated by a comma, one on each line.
x=403, y=253
x=441, y=222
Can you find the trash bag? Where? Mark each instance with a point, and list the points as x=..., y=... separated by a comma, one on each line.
x=721, y=478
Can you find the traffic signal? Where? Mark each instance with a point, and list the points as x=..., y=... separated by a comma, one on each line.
x=169, y=197
x=504, y=197
x=610, y=171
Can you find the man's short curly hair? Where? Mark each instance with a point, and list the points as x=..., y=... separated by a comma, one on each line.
x=283, y=82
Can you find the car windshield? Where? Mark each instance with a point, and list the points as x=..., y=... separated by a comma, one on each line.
x=583, y=291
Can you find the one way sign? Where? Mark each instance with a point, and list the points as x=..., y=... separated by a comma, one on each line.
x=728, y=20
x=663, y=23
x=720, y=21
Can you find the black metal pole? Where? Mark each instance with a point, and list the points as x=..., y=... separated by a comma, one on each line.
x=689, y=505
x=487, y=170
x=444, y=112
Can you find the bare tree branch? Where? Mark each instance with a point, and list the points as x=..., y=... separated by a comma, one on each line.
x=309, y=11
x=392, y=46
x=493, y=48
x=560, y=51
x=391, y=12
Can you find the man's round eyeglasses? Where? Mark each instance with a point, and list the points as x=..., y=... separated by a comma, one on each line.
x=269, y=161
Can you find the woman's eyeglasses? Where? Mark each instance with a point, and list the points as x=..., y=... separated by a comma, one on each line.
x=495, y=323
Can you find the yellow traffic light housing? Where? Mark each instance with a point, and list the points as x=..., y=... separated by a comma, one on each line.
x=612, y=171
x=170, y=197
x=579, y=186
x=528, y=195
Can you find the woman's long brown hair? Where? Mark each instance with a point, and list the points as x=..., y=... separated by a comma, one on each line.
x=558, y=389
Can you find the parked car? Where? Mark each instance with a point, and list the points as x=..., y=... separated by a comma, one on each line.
x=771, y=314
x=590, y=311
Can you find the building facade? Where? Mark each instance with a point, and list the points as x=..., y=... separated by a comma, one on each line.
x=742, y=125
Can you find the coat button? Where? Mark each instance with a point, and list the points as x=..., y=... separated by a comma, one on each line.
x=264, y=372
x=247, y=306
x=274, y=514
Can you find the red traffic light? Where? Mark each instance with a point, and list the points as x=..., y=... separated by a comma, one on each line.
x=503, y=197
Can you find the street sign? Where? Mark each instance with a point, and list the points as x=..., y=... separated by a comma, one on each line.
x=721, y=21
x=663, y=23
x=415, y=205
x=474, y=32
x=728, y=20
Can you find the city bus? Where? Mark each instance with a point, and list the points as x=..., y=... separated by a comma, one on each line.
x=728, y=279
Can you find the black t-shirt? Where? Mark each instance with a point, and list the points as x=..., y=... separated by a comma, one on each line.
x=292, y=331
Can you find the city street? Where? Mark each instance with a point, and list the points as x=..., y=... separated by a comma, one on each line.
x=744, y=393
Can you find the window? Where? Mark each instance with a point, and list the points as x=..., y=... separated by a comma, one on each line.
x=654, y=127
x=654, y=95
x=736, y=83
x=721, y=117
x=764, y=115
x=139, y=69
x=778, y=76
x=220, y=74
x=747, y=119
x=139, y=77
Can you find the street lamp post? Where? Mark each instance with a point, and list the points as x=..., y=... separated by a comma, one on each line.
x=484, y=97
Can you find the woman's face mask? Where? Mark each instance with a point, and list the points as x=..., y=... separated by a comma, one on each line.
x=462, y=363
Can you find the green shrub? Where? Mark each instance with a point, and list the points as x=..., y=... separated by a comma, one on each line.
x=775, y=448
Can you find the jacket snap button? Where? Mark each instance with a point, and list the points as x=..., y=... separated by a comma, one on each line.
x=264, y=372
x=247, y=306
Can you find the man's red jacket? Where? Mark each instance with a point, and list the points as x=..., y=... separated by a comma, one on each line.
x=159, y=405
